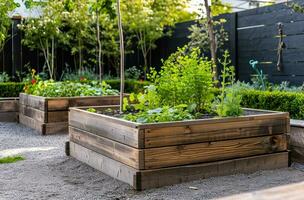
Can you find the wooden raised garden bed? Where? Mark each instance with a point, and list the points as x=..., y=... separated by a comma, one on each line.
x=296, y=142
x=154, y=155
x=50, y=115
x=9, y=109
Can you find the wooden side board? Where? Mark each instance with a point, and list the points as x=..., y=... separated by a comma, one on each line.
x=146, y=179
x=43, y=128
x=117, y=151
x=9, y=109
x=103, y=127
x=161, y=157
x=296, y=144
x=33, y=101
x=179, y=133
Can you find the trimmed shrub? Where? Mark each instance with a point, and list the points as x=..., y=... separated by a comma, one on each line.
x=278, y=101
x=11, y=89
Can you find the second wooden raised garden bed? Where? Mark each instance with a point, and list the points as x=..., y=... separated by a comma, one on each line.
x=50, y=115
x=154, y=155
x=9, y=109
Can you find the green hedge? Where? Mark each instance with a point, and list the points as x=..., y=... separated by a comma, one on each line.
x=291, y=102
x=11, y=89
x=130, y=85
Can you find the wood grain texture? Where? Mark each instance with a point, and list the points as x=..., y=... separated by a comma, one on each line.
x=102, y=126
x=174, y=175
x=8, y=116
x=119, y=152
x=8, y=105
x=159, y=137
x=57, y=116
x=33, y=101
x=104, y=164
x=213, y=151
x=35, y=114
x=146, y=179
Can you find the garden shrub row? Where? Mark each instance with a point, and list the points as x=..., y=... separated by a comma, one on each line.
x=12, y=89
x=291, y=102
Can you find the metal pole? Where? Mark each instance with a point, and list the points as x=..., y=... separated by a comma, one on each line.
x=122, y=56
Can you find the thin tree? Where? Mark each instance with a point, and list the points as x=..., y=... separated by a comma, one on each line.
x=212, y=40
x=122, y=56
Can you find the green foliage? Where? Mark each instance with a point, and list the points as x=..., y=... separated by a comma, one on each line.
x=145, y=21
x=185, y=78
x=259, y=79
x=218, y=7
x=11, y=159
x=4, y=77
x=133, y=73
x=279, y=101
x=81, y=75
x=163, y=114
x=92, y=110
x=228, y=102
x=46, y=32
x=68, y=89
x=6, y=6
x=11, y=89
x=199, y=37
x=130, y=85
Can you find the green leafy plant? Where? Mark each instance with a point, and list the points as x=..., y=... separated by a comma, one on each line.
x=4, y=77
x=163, y=114
x=185, y=78
x=11, y=89
x=6, y=6
x=133, y=73
x=92, y=110
x=11, y=159
x=84, y=75
x=229, y=100
x=67, y=89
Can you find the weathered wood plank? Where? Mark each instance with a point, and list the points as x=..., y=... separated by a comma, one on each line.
x=104, y=164
x=101, y=126
x=120, y=152
x=64, y=103
x=8, y=116
x=33, y=101
x=8, y=105
x=213, y=151
x=174, y=175
x=146, y=179
x=43, y=128
x=33, y=113
x=159, y=137
x=30, y=122
x=57, y=116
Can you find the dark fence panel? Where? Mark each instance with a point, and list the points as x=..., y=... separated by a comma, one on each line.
x=257, y=33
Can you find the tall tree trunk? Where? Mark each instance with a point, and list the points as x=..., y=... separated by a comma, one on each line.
x=212, y=41
x=122, y=56
x=53, y=58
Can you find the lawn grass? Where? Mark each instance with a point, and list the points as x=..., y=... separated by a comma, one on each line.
x=11, y=159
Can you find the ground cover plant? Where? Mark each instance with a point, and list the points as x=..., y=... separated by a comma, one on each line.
x=11, y=159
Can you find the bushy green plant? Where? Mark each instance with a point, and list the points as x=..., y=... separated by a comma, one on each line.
x=11, y=89
x=185, y=78
x=131, y=86
x=229, y=101
x=133, y=73
x=163, y=114
x=67, y=89
x=4, y=77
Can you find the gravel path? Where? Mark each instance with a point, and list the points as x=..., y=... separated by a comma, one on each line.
x=48, y=174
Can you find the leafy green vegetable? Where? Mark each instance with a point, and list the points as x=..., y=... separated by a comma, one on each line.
x=93, y=110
